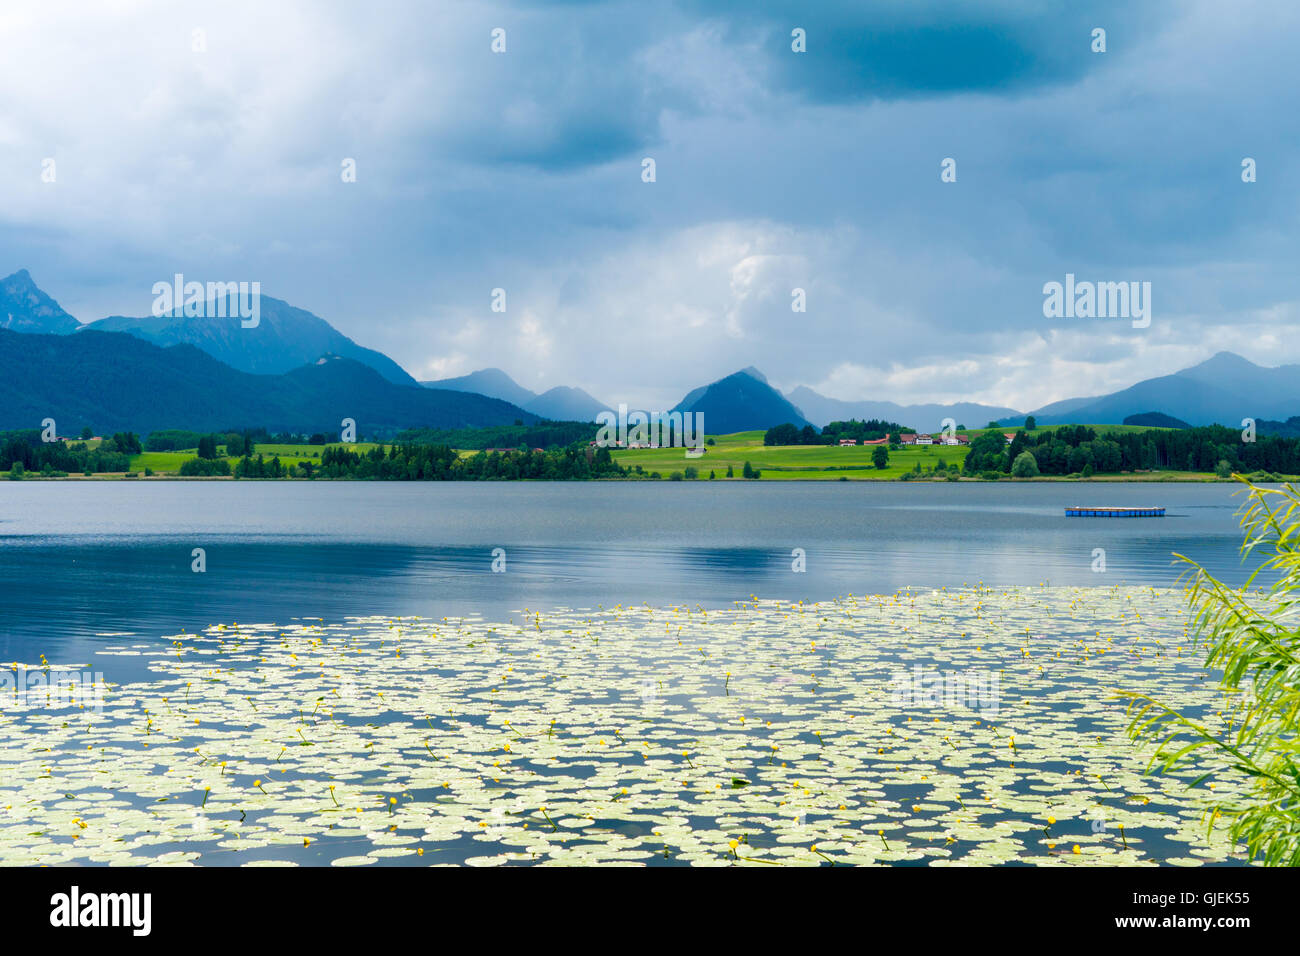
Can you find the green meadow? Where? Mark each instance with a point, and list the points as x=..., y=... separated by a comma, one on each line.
x=784, y=462
x=831, y=462
x=775, y=462
x=169, y=462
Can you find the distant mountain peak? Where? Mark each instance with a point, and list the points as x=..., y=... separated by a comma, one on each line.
x=742, y=401
x=1223, y=389
x=566, y=403
x=820, y=410
x=285, y=338
x=492, y=382
x=1225, y=360
x=493, y=374
x=114, y=381
x=24, y=307
x=561, y=403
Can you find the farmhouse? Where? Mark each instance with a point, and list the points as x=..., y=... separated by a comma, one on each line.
x=878, y=441
x=1009, y=438
x=907, y=438
x=848, y=441
x=925, y=439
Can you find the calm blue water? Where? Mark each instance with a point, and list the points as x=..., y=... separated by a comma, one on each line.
x=80, y=560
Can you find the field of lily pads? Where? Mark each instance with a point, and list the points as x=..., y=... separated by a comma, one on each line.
x=767, y=733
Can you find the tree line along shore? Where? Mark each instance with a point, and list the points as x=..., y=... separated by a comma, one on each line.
x=564, y=451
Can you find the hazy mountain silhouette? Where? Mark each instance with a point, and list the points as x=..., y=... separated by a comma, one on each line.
x=25, y=308
x=1223, y=389
x=491, y=382
x=743, y=401
x=285, y=338
x=924, y=418
x=111, y=381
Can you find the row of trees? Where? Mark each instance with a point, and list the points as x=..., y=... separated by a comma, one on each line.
x=419, y=462
x=1080, y=450
x=236, y=443
x=25, y=448
x=872, y=429
x=1200, y=449
x=541, y=435
x=205, y=467
x=789, y=434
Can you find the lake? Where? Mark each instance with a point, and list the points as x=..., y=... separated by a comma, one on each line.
x=349, y=682
x=80, y=560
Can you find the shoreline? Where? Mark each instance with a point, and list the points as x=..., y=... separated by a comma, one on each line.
x=1165, y=478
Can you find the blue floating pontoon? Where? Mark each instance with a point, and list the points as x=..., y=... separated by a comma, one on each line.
x=1077, y=512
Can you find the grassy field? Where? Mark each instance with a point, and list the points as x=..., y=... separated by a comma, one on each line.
x=831, y=463
x=785, y=462
x=160, y=461
x=169, y=462
x=777, y=463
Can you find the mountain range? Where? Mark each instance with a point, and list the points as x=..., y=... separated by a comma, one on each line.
x=111, y=381
x=1223, y=389
x=285, y=338
x=295, y=371
x=821, y=410
x=561, y=404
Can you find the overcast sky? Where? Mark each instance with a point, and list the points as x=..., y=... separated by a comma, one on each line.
x=819, y=170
